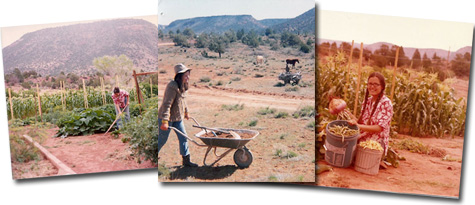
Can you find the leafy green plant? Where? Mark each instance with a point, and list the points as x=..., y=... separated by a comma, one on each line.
x=143, y=135
x=87, y=122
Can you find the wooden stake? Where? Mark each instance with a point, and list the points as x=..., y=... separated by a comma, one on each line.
x=85, y=94
x=393, y=86
x=151, y=90
x=348, y=72
x=39, y=102
x=11, y=103
x=360, y=63
x=103, y=94
x=137, y=88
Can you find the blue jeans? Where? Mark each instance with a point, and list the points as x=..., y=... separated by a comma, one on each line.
x=163, y=136
x=126, y=112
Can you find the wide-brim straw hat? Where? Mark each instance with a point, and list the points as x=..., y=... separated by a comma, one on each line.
x=180, y=68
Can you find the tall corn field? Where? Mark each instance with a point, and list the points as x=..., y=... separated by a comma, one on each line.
x=421, y=106
x=25, y=104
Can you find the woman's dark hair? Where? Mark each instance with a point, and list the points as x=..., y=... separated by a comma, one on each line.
x=116, y=90
x=179, y=79
x=380, y=95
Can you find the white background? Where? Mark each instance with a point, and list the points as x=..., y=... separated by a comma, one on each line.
x=136, y=187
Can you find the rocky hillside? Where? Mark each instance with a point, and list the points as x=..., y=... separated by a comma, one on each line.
x=304, y=23
x=72, y=48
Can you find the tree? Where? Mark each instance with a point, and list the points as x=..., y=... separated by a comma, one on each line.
x=240, y=34
x=380, y=56
x=202, y=41
x=160, y=34
x=426, y=62
x=305, y=48
x=268, y=31
x=251, y=39
x=416, y=59
x=120, y=66
x=188, y=33
x=18, y=74
x=181, y=40
x=218, y=44
x=461, y=65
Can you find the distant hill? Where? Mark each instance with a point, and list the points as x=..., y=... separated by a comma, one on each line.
x=72, y=48
x=304, y=23
x=219, y=24
x=409, y=51
x=272, y=22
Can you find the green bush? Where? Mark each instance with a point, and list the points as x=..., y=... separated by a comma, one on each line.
x=307, y=111
x=143, y=135
x=281, y=115
x=87, y=122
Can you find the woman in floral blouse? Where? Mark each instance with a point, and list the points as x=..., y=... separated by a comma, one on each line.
x=376, y=113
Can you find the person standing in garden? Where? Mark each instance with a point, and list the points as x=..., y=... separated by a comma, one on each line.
x=121, y=101
x=376, y=113
x=173, y=110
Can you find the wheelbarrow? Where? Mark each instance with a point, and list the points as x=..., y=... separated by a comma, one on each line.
x=242, y=156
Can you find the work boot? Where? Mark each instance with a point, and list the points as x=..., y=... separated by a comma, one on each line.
x=187, y=162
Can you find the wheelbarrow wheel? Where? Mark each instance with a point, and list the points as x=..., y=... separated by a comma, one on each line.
x=243, y=157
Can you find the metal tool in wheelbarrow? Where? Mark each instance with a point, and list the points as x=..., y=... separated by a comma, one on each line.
x=217, y=131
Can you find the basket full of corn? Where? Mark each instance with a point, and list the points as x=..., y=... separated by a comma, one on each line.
x=368, y=157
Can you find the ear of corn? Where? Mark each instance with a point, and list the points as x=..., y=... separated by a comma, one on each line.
x=371, y=144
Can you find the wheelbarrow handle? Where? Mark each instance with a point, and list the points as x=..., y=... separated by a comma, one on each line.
x=195, y=121
x=180, y=132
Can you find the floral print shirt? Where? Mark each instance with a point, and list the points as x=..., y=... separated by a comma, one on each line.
x=382, y=117
x=120, y=100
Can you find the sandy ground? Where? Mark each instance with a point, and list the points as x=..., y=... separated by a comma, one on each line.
x=418, y=174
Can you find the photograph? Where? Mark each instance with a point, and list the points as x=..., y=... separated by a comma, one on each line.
x=76, y=98
x=392, y=103
x=237, y=87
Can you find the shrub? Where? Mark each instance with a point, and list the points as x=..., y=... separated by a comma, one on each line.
x=205, y=79
x=143, y=135
x=266, y=111
x=281, y=115
x=87, y=122
x=235, y=107
x=307, y=111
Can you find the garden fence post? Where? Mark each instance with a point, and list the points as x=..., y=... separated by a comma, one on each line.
x=348, y=72
x=11, y=104
x=359, y=79
x=394, y=74
x=39, y=102
x=85, y=94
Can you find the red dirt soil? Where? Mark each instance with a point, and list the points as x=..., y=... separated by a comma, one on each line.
x=93, y=153
x=418, y=174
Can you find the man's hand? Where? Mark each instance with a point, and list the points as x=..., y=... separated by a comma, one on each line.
x=164, y=126
x=187, y=116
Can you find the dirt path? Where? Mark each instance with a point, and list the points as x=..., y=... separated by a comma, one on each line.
x=419, y=174
x=217, y=96
x=93, y=153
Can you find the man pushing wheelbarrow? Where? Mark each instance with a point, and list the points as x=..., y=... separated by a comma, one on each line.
x=173, y=110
